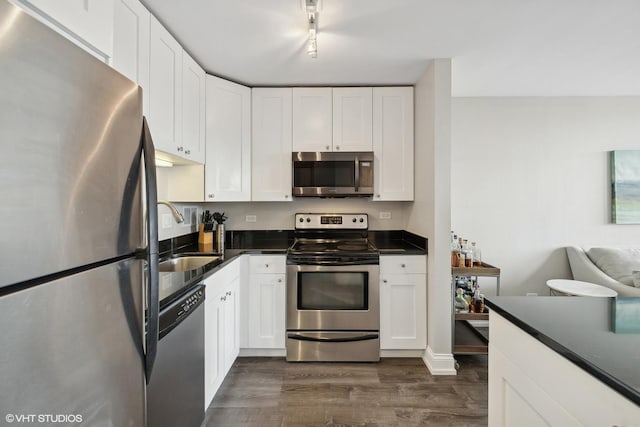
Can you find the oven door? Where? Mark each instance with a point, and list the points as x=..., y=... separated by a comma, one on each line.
x=333, y=298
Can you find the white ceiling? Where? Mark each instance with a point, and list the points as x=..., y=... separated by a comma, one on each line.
x=498, y=47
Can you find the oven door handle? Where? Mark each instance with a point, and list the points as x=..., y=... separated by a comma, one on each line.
x=357, y=177
x=332, y=262
x=364, y=337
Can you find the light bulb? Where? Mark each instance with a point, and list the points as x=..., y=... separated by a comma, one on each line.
x=312, y=48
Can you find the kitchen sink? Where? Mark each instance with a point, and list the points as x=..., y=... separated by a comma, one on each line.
x=186, y=263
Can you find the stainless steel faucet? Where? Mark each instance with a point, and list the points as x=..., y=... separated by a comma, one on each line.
x=176, y=215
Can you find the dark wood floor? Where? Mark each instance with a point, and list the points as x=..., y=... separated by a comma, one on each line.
x=394, y=392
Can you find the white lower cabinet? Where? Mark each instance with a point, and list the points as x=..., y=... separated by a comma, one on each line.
x=403, y=302
x=266, y=294
x=222, y=327
x=532, y=385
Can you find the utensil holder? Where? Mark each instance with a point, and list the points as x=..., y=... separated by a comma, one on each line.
x=205, y=235
x=220, y=238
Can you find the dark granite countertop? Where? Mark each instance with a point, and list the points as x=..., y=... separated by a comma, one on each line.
x=582, y=330
x=260, y=242
x=398, y=242
x=387, y=241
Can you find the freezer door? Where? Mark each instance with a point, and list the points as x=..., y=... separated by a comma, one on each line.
x=74, y=347
x=70, y=130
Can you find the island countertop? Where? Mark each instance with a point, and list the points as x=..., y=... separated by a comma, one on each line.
x=581, y=329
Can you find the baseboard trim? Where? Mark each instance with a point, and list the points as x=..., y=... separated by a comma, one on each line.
x=262, y=352
x=439, y=363
x=401, y=353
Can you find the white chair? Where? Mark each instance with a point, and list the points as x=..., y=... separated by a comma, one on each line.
x=585, y=270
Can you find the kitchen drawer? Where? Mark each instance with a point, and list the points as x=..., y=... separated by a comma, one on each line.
x=267, y=264
x=393, y=264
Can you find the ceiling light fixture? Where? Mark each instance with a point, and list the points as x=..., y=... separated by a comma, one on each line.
x=312, y=16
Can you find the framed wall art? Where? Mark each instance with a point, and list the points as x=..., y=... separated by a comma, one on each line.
x=625, y=186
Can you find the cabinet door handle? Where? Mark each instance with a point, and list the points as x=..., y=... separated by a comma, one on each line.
x=337, y=147
x=180, y=149
x=228, y=292
x=327, y=148
x=286, y=196
x=384, y=280
x=266, y=265
x=187, y=152
x=223, y=298
x=210, y=196
x=403, y=265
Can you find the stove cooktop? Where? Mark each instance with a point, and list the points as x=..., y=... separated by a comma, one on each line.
x=332, y=246
x=328, y=237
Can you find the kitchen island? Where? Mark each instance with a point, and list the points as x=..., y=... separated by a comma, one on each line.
x=556, y=361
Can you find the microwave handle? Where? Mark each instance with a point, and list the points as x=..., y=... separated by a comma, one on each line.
x=357, y=180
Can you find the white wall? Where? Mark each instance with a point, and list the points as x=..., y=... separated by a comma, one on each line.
x=179, y=183
x=280, y=215
x=167, y=225
x=430, y=214
x=531, y=175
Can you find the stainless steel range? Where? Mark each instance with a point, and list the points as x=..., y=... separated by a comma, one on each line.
x=333, y=292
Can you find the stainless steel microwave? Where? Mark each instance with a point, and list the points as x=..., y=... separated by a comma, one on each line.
x=328, y=174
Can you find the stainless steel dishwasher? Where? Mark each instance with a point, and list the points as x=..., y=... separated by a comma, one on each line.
x=175, y=394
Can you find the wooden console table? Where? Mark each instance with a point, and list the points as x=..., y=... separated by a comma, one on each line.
x=467, y=339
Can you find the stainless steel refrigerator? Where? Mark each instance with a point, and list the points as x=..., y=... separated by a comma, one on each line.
x=78, y=233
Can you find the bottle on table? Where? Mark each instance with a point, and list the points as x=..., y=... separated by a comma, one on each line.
x=477, y=302
x=466, y=254
x=476, y=254
x=455, y=251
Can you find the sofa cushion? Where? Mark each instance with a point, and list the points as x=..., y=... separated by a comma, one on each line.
x=618, y=263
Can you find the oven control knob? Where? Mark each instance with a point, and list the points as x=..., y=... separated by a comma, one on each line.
x=301, y=219
x=361, y=219
x=354, y=220
x=308, y=219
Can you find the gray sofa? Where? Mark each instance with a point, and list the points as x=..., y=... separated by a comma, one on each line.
x=607, y=266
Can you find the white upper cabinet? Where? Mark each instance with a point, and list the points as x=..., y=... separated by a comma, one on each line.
x=193, y=109
x=131, y=44
x=312, y=119
x=165, y=90
x=393, y=143
x=88, y=23
x=271, y=144
x=227, y=169
x=352, y=117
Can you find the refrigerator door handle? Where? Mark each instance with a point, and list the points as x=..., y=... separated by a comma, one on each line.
x=153, y=279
